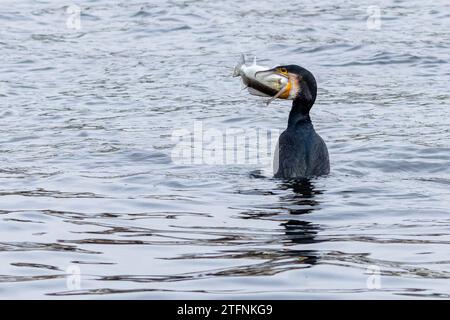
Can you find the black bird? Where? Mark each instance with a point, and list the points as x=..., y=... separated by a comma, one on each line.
x=302, y=153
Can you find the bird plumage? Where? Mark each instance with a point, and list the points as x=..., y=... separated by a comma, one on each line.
x=301, y=152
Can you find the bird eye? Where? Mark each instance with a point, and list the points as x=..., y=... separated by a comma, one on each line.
x=283, y=70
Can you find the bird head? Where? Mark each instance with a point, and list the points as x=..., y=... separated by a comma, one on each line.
x=301, y=86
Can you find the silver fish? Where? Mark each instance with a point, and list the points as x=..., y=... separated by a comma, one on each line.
x=261, y=83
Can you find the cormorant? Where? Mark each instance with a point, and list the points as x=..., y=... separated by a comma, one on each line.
x=302, y=153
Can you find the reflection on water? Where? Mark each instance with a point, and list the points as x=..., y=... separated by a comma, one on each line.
x=91, y=203
x=299, y=231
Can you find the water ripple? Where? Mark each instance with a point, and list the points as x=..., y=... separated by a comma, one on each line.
x=89, y=183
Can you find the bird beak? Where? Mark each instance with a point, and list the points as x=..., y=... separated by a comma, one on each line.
x=276, y=70
x=284, y=92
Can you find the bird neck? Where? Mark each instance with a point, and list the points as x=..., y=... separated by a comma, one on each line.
x=299, y=112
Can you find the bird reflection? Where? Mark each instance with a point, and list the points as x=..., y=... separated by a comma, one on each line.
x=302, y=232
x=297, y=231
x=270, y=252
x=302, y=200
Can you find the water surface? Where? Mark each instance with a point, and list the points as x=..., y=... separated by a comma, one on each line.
x=88, y=184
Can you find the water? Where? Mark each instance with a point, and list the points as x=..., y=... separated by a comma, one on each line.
x=93, y=205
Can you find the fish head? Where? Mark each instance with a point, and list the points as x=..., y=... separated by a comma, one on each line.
x=286, y=80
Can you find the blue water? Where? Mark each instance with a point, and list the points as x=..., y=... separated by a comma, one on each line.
x=94, y=205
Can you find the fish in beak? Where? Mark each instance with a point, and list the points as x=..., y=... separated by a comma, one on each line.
x=263, y=81
x=289, y=90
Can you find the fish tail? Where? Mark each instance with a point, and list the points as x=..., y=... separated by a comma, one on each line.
x=237, y=68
